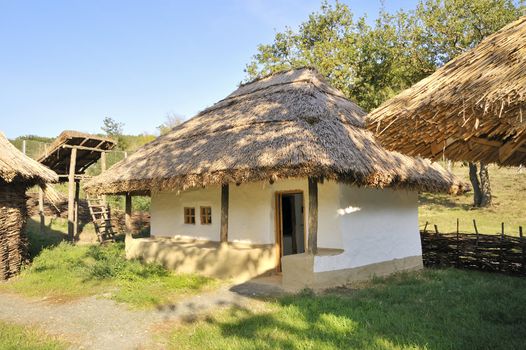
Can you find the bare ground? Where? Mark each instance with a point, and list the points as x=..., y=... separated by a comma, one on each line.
x=98, y=323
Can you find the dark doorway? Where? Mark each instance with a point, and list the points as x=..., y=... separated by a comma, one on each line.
x=291, y=223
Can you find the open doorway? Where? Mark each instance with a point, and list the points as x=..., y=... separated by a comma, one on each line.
x=290, y=223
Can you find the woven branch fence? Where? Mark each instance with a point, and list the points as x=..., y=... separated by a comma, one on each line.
x=494, y=253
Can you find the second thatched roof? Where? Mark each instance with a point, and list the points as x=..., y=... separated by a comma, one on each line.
x=473, y=108
x=17, y=168
x=287, y=125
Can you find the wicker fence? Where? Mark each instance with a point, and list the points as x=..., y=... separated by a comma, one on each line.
x=495, y=253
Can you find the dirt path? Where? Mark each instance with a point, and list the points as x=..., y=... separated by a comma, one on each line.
x=97, y=323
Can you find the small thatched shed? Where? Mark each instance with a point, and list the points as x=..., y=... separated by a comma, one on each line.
x=17, y=173
x=473, y=108
x=230, y=188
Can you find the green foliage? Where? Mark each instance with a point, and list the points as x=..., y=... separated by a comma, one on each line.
x=450, y=27
x=114, y=130
x=373, y=63
x=112, y=127
x=435, y=309
x=66, y=271
x=13, y=336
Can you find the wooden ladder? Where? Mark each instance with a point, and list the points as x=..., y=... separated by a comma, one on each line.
x=100, y=214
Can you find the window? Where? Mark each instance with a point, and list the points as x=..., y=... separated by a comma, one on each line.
x=189, y=216
x=206, y=215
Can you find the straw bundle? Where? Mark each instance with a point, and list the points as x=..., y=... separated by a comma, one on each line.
x=473, y=108
x=290, y=124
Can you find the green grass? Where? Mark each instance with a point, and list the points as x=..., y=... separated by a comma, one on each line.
x=66, y=272
x=509, y=205
x=21, y=338
x=434, y=309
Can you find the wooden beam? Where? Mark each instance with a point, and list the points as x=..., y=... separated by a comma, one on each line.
x=224, y=213
x=507, y=149
x=76, y=210
x=71, y=194
x=312, y=242
x=492, y=143
x=439, y=147
x=103, y=169
x=84, y=148
x=103, y=162
x=128, y=212
x=41, y=210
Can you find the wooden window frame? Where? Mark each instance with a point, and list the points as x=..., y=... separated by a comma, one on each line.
x=206, y=217
x=189, y=215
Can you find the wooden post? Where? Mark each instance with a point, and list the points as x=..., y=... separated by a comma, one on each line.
x=523, y=251
x=425, y=227
x=224, y=213
x=501, y=255
x=76, y=209
x=458, y=241
x=127, y=217
x=71, y=193
x=477, y=262
x=312, y=244
x=103, y=169
x=102, y=162
x=41, y=210
x=24, y=146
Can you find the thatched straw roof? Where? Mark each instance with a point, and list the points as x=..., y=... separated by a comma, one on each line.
x=16, y=167
x=290, y=124
x=57, y=156
x=473, y=108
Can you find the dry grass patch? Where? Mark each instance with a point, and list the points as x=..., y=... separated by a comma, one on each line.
x=19, y=337
x=509, y=204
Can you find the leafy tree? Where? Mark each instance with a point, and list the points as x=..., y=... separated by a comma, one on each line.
x=373, y=63
x=370, y=64
x=170, y=122
x=114, y=129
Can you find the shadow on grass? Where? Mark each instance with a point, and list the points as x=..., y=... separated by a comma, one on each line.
x=39, y=241
x=442, y=200
x=437, y=309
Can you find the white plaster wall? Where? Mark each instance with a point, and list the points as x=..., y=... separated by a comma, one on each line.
x=251, y=210
x=370, y=225
x=376, y=225
x=329, y=225
x=167, y=213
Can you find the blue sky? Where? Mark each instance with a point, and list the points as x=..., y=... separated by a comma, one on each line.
x=68, y=64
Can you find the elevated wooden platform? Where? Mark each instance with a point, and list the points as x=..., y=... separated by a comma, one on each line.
x=70, y=155
x=90, y=148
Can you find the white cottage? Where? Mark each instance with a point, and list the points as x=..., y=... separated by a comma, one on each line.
x=279, y=177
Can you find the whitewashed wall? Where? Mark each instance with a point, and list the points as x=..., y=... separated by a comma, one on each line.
x=250, y=213
x=167, y=213
x=376, y=226
x=370, y=225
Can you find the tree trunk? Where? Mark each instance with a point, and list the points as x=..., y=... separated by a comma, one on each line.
x=485, y=187
x=477, y=194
